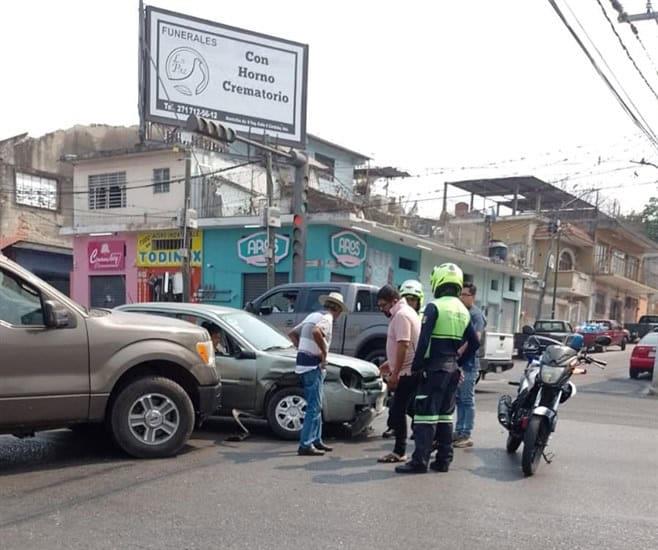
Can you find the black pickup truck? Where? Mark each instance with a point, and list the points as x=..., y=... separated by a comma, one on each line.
x=550, y=328
x=647, y=323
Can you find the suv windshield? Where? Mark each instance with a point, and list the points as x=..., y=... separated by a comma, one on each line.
x=259, y=334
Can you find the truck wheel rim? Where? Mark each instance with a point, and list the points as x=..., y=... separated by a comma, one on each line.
x=153, y=419
x=290, y=412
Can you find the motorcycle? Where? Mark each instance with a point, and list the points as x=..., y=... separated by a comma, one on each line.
x=531, y=417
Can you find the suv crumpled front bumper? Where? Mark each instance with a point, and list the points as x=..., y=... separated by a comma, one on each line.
x=356, y=408
x=209, y=400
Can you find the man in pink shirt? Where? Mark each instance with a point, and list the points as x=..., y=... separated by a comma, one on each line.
x=401, y=343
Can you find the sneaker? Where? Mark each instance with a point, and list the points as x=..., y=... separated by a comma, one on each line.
x=309, y=451
x=456, y=436
x=463, y=443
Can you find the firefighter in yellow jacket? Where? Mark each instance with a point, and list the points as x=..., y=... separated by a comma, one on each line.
x=446, y=326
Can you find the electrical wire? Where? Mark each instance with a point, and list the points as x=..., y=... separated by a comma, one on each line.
x=628, y=53
x=650, y=135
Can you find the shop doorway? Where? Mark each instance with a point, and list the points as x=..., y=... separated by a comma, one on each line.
x=107, y=291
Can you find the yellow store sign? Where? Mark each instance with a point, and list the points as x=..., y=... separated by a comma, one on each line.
x=162, y=248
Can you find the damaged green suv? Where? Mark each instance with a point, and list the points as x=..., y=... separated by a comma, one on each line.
x=256, y=364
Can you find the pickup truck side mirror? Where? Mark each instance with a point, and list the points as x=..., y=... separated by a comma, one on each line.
x=246, y=354
x=250, y=307
x=54, y=315
x=265, y=310
x=603, y=341
x=527, y=329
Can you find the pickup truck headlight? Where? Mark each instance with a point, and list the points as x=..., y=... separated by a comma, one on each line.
x=206, y=351
x=351, y=379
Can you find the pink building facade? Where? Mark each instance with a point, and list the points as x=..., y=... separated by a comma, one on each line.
x=105, y=269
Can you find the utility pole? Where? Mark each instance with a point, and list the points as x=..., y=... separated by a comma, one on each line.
x=544, y=282
x=187, y=234
x=271, y=244
x=556, y=270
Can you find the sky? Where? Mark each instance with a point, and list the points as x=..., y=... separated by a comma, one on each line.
x=444, y=90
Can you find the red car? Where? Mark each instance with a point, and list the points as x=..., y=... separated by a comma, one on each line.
x=595, y=328
x=643, y=356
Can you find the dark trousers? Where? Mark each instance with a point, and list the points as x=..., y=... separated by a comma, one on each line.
x=397, y=418
x=434, y=408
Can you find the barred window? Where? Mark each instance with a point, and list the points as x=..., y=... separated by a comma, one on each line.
x=36, y=191
x=161, y=180
x=107, y=191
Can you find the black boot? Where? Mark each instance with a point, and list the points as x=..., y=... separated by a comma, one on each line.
x=440, y=466
x=411, y=468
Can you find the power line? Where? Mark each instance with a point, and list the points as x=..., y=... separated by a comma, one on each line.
x=628, y=53
x=621, y=101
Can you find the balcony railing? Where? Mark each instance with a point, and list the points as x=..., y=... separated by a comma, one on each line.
x=574, y=283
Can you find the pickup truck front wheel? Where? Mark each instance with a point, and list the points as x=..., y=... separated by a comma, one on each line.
x=152, y=417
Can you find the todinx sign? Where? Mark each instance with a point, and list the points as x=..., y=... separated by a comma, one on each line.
x=348, y=248
x=253, y=249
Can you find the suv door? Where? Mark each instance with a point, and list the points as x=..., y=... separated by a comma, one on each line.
x=238, y=375
x=280, y=308
x=44, y=372
x=312, y=303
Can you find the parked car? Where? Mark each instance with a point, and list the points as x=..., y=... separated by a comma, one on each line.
x=361, y=333
x=643, y=356
x=148, y=380
x=553, y=328
x=592, y=329
x=257, y=367
x=646, y=324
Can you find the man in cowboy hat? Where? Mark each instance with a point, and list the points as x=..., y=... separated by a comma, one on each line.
x=312, y=338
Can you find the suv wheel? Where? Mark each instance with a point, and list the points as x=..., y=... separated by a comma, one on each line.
x=152, y=418
x=285, y=412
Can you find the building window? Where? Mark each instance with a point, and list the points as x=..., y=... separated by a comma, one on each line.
x=107, y=191
x=632, y=268
x=329, y=163
x=566, y=261
x=601, y=258
x=161, y=180
x=36, y=191
x=618, y=262
x=167, y=244
x=494, y=284
x=512, y=284
x=408, y=265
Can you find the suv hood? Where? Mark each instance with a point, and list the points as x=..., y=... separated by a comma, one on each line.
x=364, y=368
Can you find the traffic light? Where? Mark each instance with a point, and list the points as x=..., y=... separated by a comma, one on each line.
x=210, y=128
x=299, y=245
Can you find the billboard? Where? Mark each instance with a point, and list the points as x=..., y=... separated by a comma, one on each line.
x=252, y=82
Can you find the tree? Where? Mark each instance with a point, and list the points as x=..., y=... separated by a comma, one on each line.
x=646, y=219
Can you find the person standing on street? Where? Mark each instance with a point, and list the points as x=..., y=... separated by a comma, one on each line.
x=312, y=338
x=412, y=291
x=470, y=365
x=401, y=342
x=446, y=325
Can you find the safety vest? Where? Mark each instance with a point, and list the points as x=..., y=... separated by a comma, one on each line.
x=453, y=319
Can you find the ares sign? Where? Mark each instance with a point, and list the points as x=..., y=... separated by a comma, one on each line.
x=253, y=249
x=348, y=248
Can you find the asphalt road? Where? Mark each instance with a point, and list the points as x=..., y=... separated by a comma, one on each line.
x=61, y=490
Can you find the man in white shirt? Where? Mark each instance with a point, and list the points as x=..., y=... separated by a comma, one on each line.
x=312, y=338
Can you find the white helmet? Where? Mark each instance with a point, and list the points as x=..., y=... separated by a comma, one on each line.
x=412, y=288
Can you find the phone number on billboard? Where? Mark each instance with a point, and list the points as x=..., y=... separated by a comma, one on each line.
x=190, y=110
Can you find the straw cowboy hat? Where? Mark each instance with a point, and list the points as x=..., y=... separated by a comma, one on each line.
x=334, y=298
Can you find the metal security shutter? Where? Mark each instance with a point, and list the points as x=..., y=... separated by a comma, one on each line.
x=107, y=291
x=509, y=314
x=255, y=285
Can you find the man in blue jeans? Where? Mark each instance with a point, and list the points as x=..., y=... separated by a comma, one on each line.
x=312, y=338
x=470, y=365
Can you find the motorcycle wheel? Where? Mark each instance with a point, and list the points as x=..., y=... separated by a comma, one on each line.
x=534, y=443
x=513, y=442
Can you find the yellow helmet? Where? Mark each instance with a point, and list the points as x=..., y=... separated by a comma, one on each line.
x=446, y=274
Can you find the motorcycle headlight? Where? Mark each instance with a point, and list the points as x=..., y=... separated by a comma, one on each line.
x=550, y=375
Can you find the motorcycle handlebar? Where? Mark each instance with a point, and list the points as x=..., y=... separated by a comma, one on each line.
x=596, y=362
